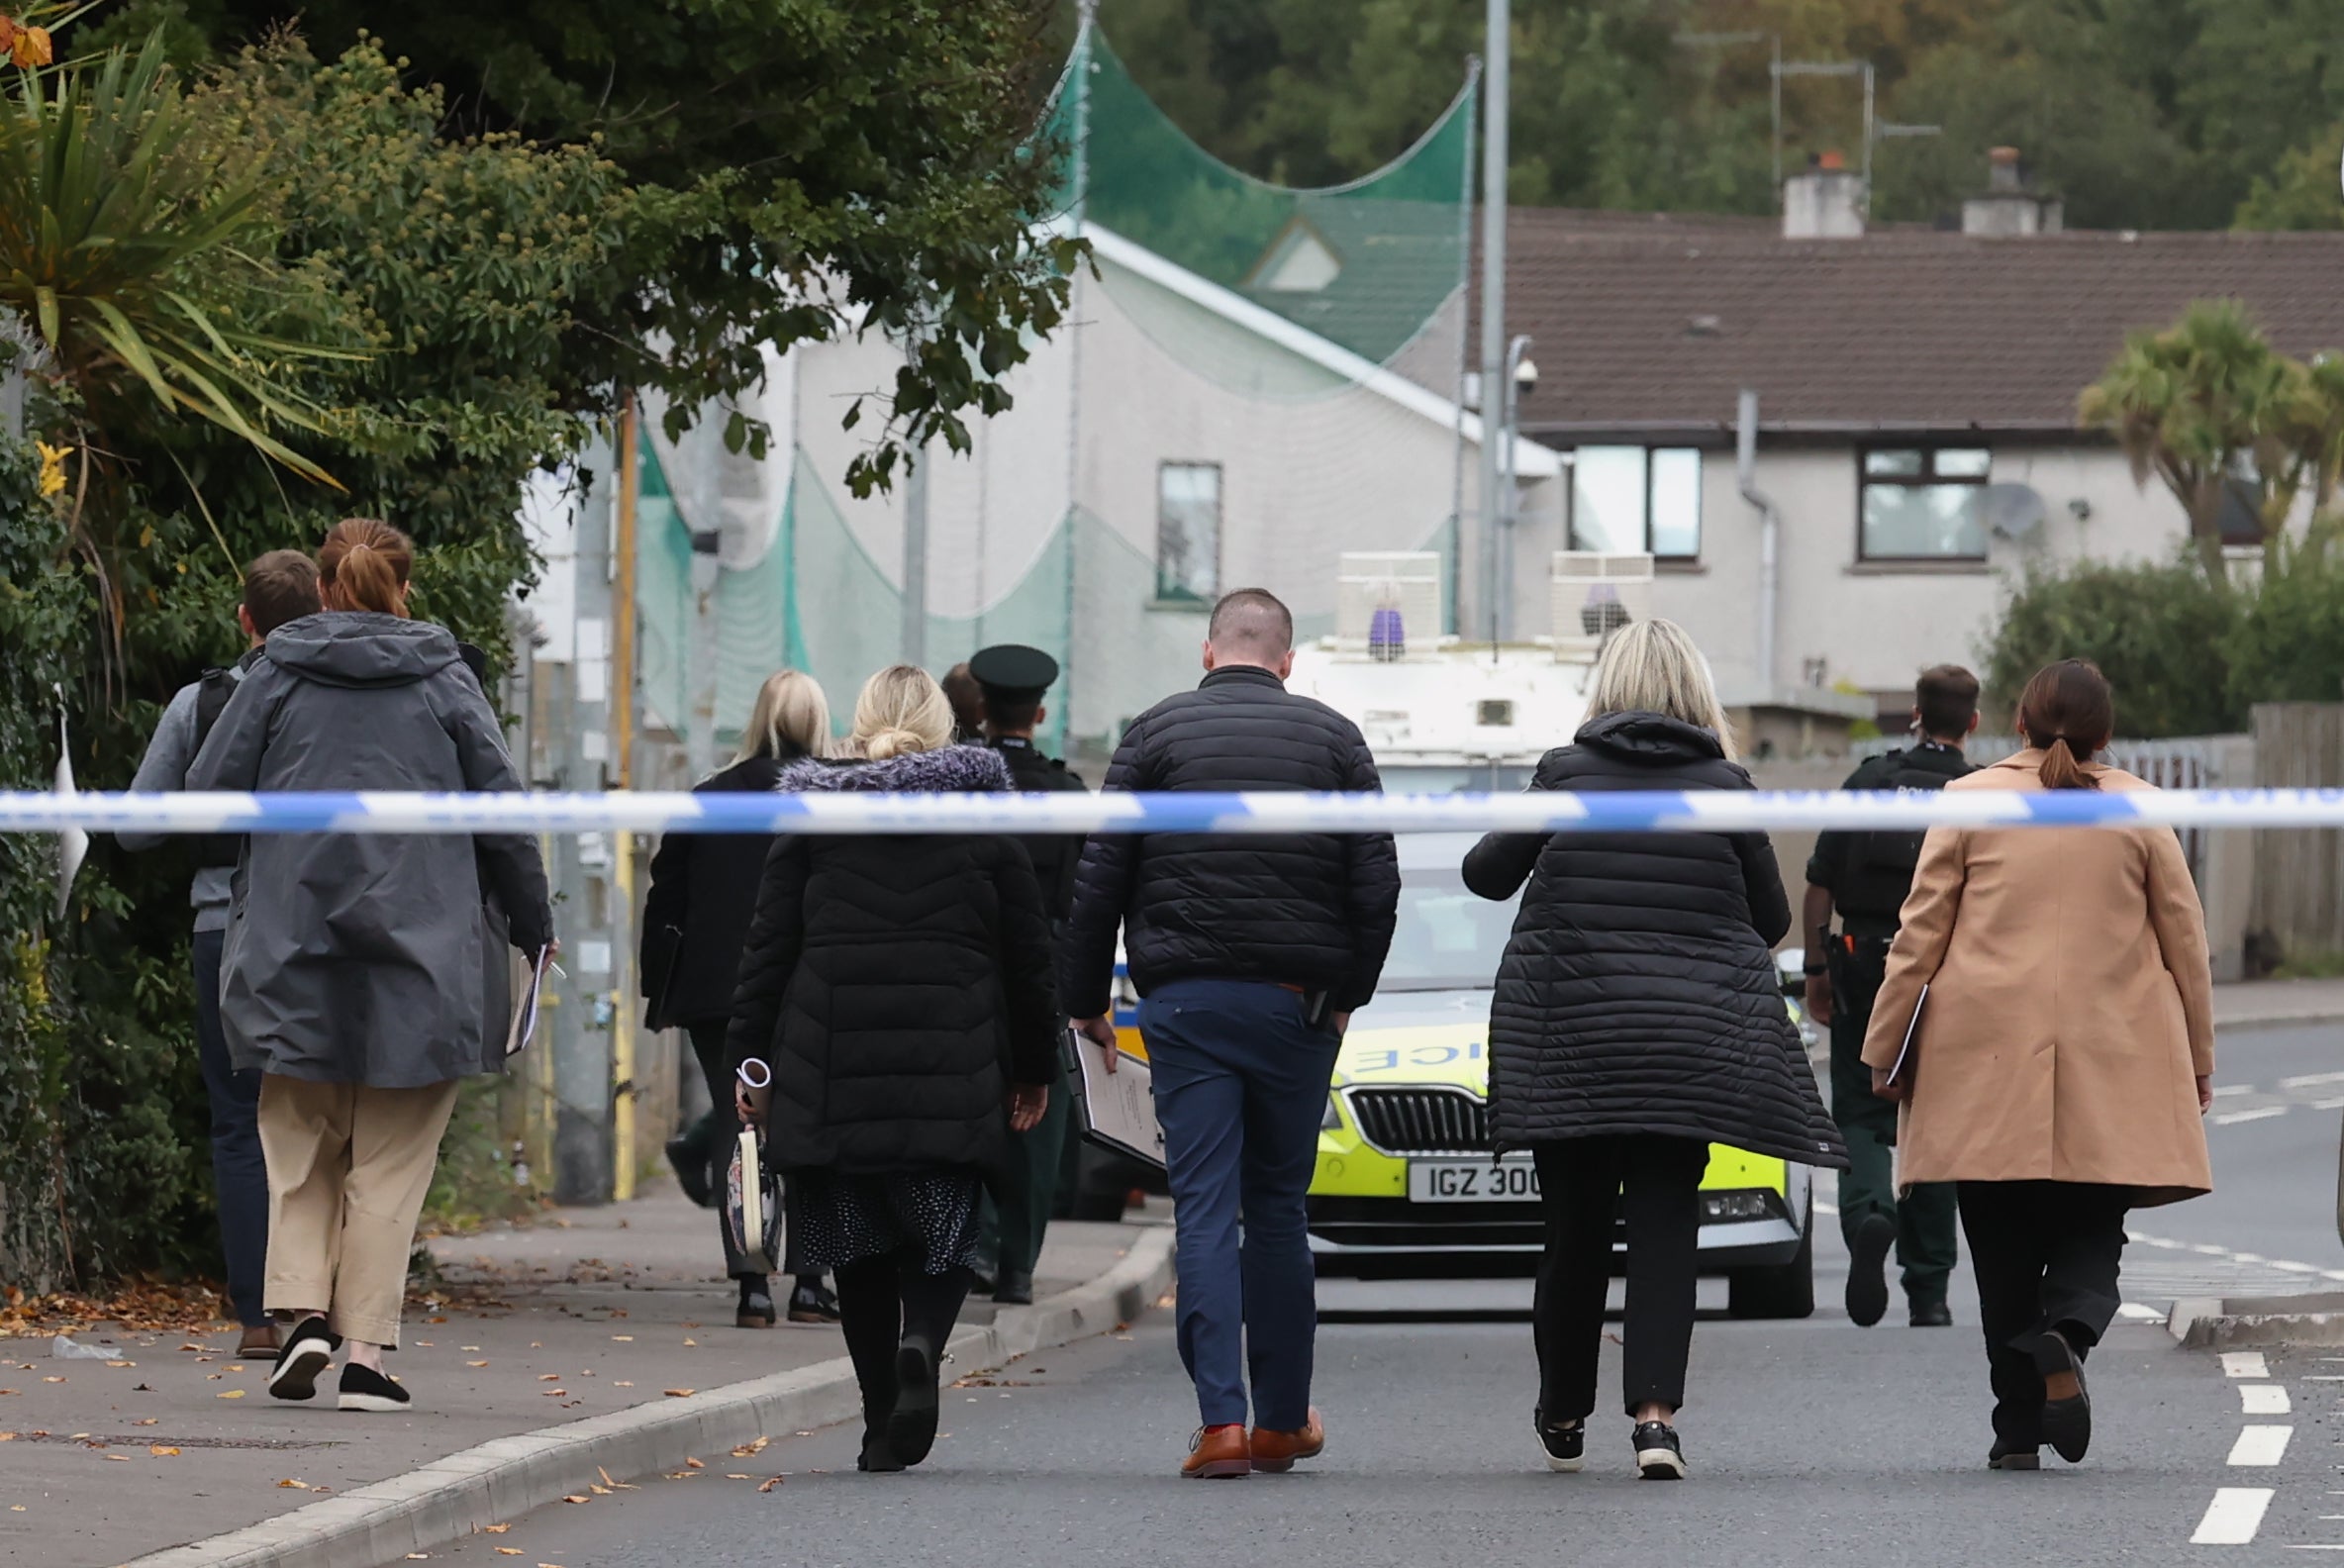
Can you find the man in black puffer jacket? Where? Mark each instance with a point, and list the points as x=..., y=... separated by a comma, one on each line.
x=1250, y=953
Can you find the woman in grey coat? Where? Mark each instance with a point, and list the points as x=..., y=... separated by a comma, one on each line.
x=354, y=972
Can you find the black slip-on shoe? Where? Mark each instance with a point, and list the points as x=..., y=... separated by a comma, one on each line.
x=877, y=1458
x=812, y=1303
x=364, y=1389
x=1931, y=1314
x=307, y=1352
x=1867, y=1269
x=689, y=1156
x=1659, y=1456
x=756, y=1309
x=912, y=1424
x=2066, y=1402
x=1564, y=1447
x=2004, y=1457
x=1015, y=1288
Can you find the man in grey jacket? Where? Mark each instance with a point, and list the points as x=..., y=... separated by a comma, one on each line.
x=279, y=587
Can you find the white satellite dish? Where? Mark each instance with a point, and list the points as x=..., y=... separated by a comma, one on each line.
x=2012, y=511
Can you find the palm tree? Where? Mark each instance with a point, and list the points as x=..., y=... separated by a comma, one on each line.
x=2207, y=405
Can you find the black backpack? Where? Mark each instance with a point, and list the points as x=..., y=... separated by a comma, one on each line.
x=1896, y=852
x=213, y=688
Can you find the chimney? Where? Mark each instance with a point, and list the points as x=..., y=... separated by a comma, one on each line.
x=1825, y=203
x=2008, y=208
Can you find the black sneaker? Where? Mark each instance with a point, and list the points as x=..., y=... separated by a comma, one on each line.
x=2067, y=1415
x=688, y=1154
x=308, y=1351
x=364, y=1389
x=1867, y=1269
x=1014, y=1288
x=1565, y=1447
x=2003, y=1456
x=912, y=1424
x=812, y=1302
x=1931, y=1314
x=1659, y=1456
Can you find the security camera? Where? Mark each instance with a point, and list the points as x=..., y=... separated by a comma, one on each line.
x=1525, y=375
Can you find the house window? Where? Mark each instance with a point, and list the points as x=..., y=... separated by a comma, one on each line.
x=1626, y=499
x=1921, y=502
x=1188, y=532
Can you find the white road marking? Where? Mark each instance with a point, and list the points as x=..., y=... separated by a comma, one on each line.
x=2245, y=1364
x=2259, y=1113
x=2261, y=1445
x=2221, y=1091
x=2263, y=1399
x=2306, y=1080
x=2233, y=1516
x=2134, y=1312
x=2252, y=1259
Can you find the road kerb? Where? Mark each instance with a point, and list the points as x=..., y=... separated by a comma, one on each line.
x=507, y=1477
x=2208, y=1323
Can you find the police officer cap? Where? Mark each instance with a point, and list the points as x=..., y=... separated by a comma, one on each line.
x=1014, y=670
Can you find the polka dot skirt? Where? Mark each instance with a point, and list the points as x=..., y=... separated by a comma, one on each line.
x=845, y=1218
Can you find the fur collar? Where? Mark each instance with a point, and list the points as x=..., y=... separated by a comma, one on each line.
x=947, y=770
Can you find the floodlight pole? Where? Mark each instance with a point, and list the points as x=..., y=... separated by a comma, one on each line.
x=1497, y=66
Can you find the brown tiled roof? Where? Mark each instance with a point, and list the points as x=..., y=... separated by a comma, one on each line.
x=1894, y=330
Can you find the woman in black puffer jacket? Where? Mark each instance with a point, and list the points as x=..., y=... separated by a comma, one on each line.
x=1637, y=1020
x=899, y=988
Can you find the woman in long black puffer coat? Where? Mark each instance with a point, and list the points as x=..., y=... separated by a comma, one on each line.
x=899, y=988
x=1637, y=1020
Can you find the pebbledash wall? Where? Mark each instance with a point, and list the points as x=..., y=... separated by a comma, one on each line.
x=1876, y=624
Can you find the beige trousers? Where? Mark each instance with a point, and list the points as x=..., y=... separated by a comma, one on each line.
x=348, y=1168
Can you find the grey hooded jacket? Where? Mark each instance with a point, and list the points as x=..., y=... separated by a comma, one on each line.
x=361, y=957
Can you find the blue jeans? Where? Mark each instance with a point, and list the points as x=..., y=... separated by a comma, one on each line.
x=1240, y=1086
x=239, y=1176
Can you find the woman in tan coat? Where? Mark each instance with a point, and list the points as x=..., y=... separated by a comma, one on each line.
x=2063, y=1062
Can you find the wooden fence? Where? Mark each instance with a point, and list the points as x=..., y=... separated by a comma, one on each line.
x=2299, y=885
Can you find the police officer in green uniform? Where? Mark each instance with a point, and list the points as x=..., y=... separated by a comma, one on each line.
x=1864, y=877
x=1013, y=680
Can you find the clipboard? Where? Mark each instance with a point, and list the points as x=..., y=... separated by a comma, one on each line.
x=532, y=981
x=1118, y=1109
x=1902, y=1071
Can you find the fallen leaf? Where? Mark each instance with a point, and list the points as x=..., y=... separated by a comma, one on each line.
x=423, y=1344
x=52, y=1380
x=748, y=1449
x=16, y=1508
x=298, y=1486
x=600, y=1491
x=578, y=1497
x=134, y=1363
x=620, y=1383
x=476, y=1363
x=119, y=1458
x=734, y=1475
x=135, y=1388
x=770, y=1483
x=435, y=1319
x=162, y=1450
x=230, y=1394
x=507, y=1551
x=670, y=1393
x=551, y=1393
x=234, y=1368
x=418, y=1556
x=191, y=1347
x=7, y=1437
x=549, y=1377
x=468, y=1347
x=624, y=1339
x=496, y=1530
x=694, y=1464
x=146, y=1420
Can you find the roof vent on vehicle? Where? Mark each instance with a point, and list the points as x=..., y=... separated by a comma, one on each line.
x=1384, y=600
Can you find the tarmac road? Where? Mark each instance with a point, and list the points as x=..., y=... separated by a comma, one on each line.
x=1812, y=1444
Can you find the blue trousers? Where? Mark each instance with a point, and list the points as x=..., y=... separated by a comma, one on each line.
x=1240, y=1086
x=239, y=1176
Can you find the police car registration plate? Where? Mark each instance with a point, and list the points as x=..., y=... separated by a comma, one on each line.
x=1513, y=1180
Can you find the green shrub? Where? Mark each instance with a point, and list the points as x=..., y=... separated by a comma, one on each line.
x=2161, y=633
x=2288, y=644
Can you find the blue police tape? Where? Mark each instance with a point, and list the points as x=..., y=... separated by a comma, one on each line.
x=1697, y=811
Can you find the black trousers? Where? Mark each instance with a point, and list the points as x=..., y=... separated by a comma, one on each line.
x=1586, y=1186
x=2046, y=1256
x=239, y=1176
x=883, y=1300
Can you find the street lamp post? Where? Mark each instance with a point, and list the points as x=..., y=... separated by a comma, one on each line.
x=1522, y=375
x=1497, y=71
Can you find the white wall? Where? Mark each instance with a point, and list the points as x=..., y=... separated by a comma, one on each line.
x=1878, y=624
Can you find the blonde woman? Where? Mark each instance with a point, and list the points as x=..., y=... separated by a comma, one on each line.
x=1636, y=1021
x=704, y=888
x=895, y=996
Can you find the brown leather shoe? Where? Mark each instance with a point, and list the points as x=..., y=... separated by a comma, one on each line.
x=259, y=1340
x=1217, y=1454
x=1276, y=1451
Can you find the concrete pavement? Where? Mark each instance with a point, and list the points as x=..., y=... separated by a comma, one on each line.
x=589, y=1314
